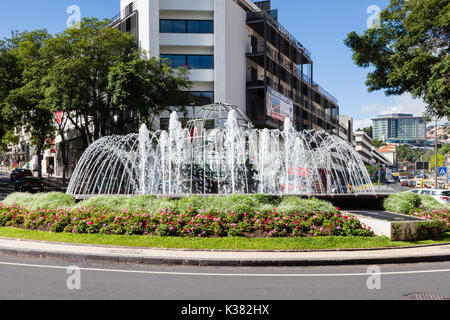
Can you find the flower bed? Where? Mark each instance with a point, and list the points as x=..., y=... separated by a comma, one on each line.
x=191, y=222
x=441, y=215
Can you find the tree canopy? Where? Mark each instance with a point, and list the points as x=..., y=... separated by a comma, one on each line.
x=88, y=73
x=409, y=52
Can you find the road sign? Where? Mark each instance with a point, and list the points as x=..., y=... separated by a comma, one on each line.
x=442, y=171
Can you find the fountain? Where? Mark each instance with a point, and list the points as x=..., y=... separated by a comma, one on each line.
x=227, y=157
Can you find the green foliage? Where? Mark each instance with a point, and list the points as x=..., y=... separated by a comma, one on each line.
x=440, y=161
x=405, y=153
x=430, y=229
x=407, y=202
x=378, y=143
x=89, y=73
x=404, y=202
x=369, y=131
x=429, y=203
x=187, y=223
x=445, y=150
x=292, y=204
x=40, y=200
x=408, y=53
x=23, y=95
x=150, y=86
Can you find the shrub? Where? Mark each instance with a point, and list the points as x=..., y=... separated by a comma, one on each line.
x=407, y=202
x=430, y=229
x=404, y=202
x=116, y=203
x=291, y=204
x=428, y=202
x=41, y=200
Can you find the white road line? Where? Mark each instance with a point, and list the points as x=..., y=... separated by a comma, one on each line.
x=268, y=275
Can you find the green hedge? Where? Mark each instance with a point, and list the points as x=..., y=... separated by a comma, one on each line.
x=236, y=203
x=41, y=200
x=407, y=202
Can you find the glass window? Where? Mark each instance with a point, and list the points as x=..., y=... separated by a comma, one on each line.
x=174, y=61
x=186, y=26
x=194, y=62
x=206, y=62
x=166, y=26
x=179, y=26
x=193, y=26
x=206, y=27
x=201, y=98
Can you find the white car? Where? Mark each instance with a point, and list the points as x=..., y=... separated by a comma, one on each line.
x=442, y=196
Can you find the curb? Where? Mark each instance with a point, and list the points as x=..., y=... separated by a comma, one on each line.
x=132, y=259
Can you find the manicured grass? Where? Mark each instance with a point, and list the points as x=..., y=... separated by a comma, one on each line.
x=231, y=243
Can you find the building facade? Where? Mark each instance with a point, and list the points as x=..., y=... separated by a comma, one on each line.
x=346, y=128
x=370, y=156
x=399, y=128
x=237, y=52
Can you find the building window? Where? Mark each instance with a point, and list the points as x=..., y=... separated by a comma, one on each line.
x=200, y=98
x=189, y=61
x=186, y=26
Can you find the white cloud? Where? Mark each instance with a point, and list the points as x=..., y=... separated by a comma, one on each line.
x=361, y=124
x=405, y=104
x=369, y=108
x=402, y=104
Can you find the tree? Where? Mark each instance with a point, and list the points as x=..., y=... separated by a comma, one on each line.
x=97, y=70
x=378, y=143
x=149, y=86
x=445, y=150
x=10, y=75
x=440, y=161
x=404, y=153
x=24, y=100
x=369, y=131
x=409, y=52
x=78, y=78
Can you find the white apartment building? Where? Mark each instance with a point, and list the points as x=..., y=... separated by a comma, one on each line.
x=237, y=53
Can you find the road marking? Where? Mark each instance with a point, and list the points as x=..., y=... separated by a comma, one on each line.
x=268, y=275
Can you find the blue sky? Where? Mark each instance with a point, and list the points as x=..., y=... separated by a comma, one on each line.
x=320, y=25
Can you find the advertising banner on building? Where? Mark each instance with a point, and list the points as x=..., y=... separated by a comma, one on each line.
x=279, y=107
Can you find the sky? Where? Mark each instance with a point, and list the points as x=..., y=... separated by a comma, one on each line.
x=320, y=25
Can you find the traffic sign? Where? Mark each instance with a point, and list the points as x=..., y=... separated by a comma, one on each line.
x=442, y=171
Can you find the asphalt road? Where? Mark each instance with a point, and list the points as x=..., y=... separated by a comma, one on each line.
x=7, y=187
x=25, y=278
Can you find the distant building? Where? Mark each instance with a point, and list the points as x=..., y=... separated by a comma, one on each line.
x=441, y=130
x=390, y=153
x=368, y=153
x=399, y=128
x=346, y=128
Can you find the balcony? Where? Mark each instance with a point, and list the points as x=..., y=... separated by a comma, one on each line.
x=264, y=16
x=129, y=9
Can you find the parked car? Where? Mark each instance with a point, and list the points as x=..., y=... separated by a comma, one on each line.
x=442, y=196
x=29, y=184
x=405, y=183
x=20, y=173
